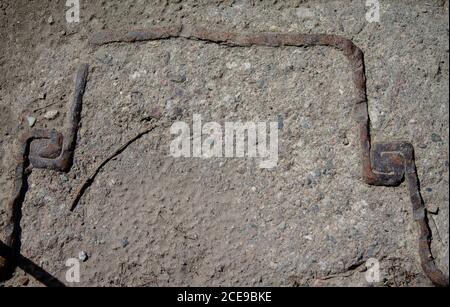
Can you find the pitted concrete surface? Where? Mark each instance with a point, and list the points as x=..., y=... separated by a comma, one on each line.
x=153, y=220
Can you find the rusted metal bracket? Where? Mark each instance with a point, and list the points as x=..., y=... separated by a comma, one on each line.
x=44, y=149
x=383, y=164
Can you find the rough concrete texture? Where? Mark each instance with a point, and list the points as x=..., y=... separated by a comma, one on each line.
x=150, y=219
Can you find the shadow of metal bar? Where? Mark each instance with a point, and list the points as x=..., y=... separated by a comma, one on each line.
x=31, y=268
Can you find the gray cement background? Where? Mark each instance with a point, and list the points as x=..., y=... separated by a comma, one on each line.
x=150, y=219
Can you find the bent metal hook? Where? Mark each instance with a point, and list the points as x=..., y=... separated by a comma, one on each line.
x=45, y=149
x=383, y=164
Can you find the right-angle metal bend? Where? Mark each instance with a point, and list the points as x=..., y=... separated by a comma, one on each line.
x=383, y=164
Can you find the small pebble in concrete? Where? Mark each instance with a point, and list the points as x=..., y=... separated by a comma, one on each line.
x=260, y=84
x=105, y=59
x=83, y=256
x=177, y=77
x=50, y=115
x=436, y=138
x=31, y=121
x=308, y=237
x=125, y=242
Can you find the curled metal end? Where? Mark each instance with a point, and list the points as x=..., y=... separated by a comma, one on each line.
x=391, y=164
x=45, y=149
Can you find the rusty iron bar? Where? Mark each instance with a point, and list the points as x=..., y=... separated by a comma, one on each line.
x=44, y=149
x=383, y=164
